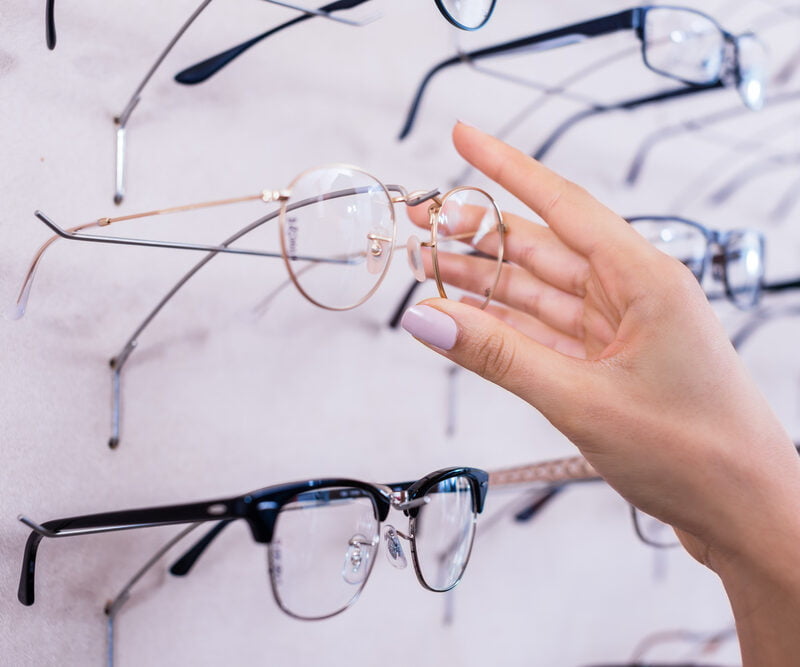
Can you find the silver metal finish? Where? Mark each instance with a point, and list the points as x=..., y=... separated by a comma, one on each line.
x=70, y=532
x=122, y=119
x=114, y=605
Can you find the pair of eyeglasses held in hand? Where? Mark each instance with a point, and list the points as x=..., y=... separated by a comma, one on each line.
x=337, y=231
x=677, y=42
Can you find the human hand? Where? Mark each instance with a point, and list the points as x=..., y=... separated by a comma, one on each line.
x=615, y=343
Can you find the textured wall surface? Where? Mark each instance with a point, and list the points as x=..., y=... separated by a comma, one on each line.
x=220, y=397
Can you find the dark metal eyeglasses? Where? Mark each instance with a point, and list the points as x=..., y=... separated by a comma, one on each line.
x=677, y=42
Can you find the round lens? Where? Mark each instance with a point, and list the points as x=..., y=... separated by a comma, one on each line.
x=677, y=238
x=468, y=223
x=443, y=533
x=744, y=266
x=683, y=44
x=466, y=14
x=322, y=551
x=753, y=66
x=337, y=235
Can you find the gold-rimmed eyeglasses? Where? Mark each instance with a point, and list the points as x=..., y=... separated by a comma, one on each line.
x=337, y=233
x=339, y=221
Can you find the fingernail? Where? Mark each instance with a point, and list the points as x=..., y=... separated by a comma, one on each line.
x=463, y=122
x=430, y=326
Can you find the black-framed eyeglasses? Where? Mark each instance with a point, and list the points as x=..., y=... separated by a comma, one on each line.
x=677, y=42
x=322, y=535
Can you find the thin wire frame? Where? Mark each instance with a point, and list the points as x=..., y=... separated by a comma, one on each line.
x=283, y=198
x=730, y=70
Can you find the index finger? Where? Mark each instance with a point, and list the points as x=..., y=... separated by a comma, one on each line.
x=576, y=217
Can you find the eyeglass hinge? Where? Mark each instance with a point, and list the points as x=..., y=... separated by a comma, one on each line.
x=274, y=195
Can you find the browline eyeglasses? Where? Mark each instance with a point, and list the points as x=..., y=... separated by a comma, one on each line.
x=322, y=535
x=337, y=232
x=464, y=14
x=677, y=42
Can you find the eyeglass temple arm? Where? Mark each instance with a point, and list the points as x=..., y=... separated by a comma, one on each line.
x=205, y=69
x=228, y=508
x=751, y=171
x=551, y=39
x=559, y=470
x=50, y=24
x=647, y=145
x=118, y=361
x=628, y=105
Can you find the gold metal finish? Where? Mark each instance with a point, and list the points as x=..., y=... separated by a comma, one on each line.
x=179, y=209
x=558, y=470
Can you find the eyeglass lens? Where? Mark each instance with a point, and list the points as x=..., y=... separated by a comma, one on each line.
x=753, y=66
x=322, y=551
x=467, y=14
x=744, y=267
x=468, y=220
x=686, y=243
x=443, y=533
x=339, y=245
x=683, y=44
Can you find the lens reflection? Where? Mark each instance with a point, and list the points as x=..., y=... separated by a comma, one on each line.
x=337, y=231
x=322, y=551
x=753, y=69
x=443, y=533
x=678, y=239
x=467, y=222
x=683, y=44
x=744, y=267
x=467, y=14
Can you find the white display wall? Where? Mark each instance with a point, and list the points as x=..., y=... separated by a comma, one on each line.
x=219, y=399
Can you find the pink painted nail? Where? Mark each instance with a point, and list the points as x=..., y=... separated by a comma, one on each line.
x=430, y=326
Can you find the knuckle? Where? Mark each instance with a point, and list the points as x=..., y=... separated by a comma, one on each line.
x=495, y=358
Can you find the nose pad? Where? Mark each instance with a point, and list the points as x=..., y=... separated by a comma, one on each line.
x=394, y=548
x=414, y=248
x=357, y=559
x=378, y=251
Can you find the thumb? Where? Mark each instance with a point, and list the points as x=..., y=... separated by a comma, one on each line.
x=552, y=382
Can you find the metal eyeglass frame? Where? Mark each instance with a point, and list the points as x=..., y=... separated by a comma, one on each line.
x=755, y=170
x=691, y=125
x=121, y=120
x=208, y=67
x=400, y=195
x=595, y=107
x=716, y=254
x=205, y=69
x=629, y=19
x=260, y=509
